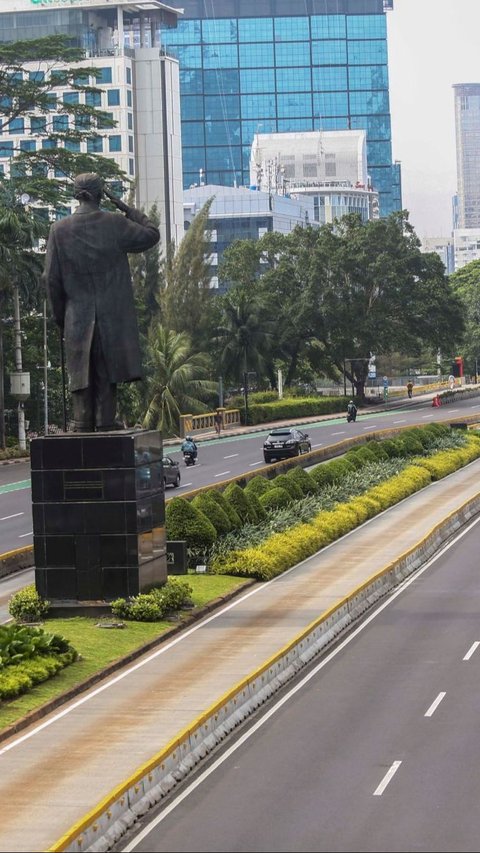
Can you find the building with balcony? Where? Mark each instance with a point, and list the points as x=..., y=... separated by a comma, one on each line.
x=276, y=66
x=121, y=39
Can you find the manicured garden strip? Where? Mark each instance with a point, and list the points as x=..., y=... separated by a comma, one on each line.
x=98, y=647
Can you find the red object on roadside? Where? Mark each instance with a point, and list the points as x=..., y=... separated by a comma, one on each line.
x=436, y=402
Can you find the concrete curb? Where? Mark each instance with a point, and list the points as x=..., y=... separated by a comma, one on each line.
x=118, y=811
x=15, y=561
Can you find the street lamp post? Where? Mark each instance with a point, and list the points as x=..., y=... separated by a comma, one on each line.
x=246, y=374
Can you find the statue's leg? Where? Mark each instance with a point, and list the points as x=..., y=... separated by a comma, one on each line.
x=106, y=406
x=82, y=401
x=104, y=391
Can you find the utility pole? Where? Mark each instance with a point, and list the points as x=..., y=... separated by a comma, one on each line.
x=18, y=379
x=45, y=367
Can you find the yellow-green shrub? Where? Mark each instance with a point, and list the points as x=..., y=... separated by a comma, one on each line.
x=447, y=461
x=282, y=550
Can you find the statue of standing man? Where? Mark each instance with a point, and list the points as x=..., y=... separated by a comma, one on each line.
x=89, y=287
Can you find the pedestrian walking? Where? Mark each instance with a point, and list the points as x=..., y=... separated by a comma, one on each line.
x=218, y=421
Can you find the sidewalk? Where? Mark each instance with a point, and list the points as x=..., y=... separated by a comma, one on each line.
x=52, y=775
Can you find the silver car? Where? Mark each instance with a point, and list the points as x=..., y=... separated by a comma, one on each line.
x=171, y=471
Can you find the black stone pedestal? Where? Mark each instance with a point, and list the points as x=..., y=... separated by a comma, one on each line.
x=98, y=508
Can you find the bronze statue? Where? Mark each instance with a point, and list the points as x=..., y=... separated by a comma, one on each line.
x=89, y=287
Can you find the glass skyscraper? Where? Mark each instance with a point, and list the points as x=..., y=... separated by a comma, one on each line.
x=265, y=66
x=467, y=133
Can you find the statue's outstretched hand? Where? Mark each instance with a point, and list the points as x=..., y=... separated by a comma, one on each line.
x=116, y=201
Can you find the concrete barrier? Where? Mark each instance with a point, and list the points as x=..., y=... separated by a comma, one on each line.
x=15, y=561
x=101, y=828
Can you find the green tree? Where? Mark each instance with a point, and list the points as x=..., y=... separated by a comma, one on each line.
x=466, y=286
x=177, y=380
x=244, y=334
x=187, y=280
x=45, y=175
x=371, y=290
x=20, y=266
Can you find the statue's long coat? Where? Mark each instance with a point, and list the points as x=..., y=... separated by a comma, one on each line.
x=88, y=282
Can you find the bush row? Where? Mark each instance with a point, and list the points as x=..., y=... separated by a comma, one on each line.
x=282, y=550
x=213, y=514
x=294, y=407
x=155, y=604
x=21, y=677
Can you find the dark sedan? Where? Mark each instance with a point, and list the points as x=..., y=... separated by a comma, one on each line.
x=171, y=471
x=285, y=442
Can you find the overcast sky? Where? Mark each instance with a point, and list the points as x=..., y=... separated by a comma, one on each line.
x=432, y=44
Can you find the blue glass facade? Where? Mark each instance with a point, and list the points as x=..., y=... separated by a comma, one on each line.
x=248, y=67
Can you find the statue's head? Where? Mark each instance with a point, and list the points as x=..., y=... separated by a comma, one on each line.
x=88, y=187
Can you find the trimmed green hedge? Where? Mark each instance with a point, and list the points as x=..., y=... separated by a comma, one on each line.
x=185, y=521
x=214, y=512
x=283, y=550
x=295, y=407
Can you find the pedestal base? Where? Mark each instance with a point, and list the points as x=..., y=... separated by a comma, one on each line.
x=98, y=508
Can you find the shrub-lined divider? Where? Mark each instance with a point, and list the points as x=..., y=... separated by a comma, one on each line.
x=262, y=499
x=283, y=550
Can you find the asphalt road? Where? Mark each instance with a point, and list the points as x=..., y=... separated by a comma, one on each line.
x=219, y=459
x=374, y=749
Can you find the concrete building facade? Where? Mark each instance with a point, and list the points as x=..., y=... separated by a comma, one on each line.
x=238, y=213
x=121, y=39
x=328, y=166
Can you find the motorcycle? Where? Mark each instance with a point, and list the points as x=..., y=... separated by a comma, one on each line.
x=351, y=417
x=189, y=457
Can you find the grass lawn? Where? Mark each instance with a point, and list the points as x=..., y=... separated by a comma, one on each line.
x=99, y=646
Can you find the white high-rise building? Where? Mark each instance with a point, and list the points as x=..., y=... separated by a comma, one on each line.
x=328, y=166
x=141, y=92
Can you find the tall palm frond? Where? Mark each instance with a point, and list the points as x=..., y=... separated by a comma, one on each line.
x=178, y=381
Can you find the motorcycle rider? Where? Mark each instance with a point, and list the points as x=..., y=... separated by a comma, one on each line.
x=189, y=446
x=351, y=411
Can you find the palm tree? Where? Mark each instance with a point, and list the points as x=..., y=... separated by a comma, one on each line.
x=177, y=381
x=244, y=334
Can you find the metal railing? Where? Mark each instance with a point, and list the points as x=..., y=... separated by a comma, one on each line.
x=202, y=423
